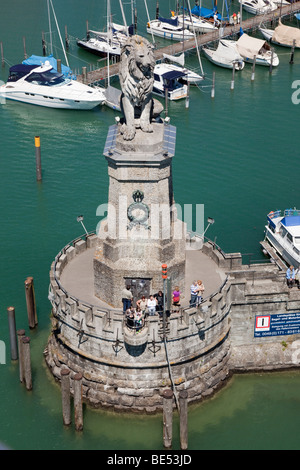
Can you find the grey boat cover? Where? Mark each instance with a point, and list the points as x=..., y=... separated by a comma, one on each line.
x=286, y=35
x=249, y=46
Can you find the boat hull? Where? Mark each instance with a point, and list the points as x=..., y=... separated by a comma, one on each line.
x=286, y=255
x=48, y=101
x=209, y=54
x=95, y=49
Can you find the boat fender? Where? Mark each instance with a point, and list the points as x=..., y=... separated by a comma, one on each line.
x=148, y=24
x=271, y=215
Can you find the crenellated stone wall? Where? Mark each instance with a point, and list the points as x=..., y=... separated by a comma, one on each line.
x=129, y=371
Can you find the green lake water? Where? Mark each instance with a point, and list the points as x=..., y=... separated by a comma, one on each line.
x=237, y=154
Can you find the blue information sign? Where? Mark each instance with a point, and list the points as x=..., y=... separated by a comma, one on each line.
x=277, y=325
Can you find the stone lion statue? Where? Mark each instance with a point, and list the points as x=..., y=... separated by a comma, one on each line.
x=136, y=79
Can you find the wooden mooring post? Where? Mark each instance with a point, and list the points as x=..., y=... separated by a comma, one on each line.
x=65, y=396
x=167, y=418
x=183, y=417
x=292, y=52
x=12, y=333
x=21, y=335
x=78, y=412
x=26, y=358
x=30, y=302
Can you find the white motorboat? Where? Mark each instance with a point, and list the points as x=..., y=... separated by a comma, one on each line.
x=226, y=55
x=196, y=24
x=100, y=45
x=169, y=29
x=282, y=35
x=258, y=7
x=283, y=233
x=251, y=48
x=43, y=86
x=190, y=76
x=170, y=81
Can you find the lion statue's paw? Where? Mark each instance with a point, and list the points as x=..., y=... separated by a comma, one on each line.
x=146, y=127
x=128, y=132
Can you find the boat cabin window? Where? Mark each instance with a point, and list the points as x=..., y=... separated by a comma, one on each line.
x=297, y=240
x=45, y=78
x=156, y=77
x=289, y=238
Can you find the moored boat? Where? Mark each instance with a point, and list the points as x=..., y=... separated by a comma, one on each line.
x=226, y=55
x=166, y=80
x=251, y=48
x=282, y=35
x=168, y=29
x=196, y=24
x=258, y=7
x=283, y=234
x=43, y=86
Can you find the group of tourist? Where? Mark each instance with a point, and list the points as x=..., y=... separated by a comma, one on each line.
x=144, y=306
x=197, y=289
x=293, y=277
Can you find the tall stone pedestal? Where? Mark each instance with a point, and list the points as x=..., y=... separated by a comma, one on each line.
x=141, y=231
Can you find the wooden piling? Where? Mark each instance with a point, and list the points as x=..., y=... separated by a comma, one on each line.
x=213, y=85
x=187, y=101
x=232, y=79
x=78, y=412
x=38, y=163
x=67, y=38
x=24, y=45
x=26, y=362
x=43, y=44
x=2, y=54
x=292, y=51
x=59, y=65
x=167, y=418
x=21, y=335
x=183, y=412
x=30, y=302
x=65, y=395
x=253, y=69
x=12, y=333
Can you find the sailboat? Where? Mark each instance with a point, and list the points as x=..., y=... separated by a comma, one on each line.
x=226, y=55
x=176, y=63
x=110, y=42
x=282, y=35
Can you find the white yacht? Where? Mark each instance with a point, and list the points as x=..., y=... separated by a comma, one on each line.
x=195, y=23
x=258, y=7
x=226, y=55
x=283, y=233
x=169, y=29
x=169, y=80
x=43, y=86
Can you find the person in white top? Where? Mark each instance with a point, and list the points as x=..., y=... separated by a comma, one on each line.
x=151, y=304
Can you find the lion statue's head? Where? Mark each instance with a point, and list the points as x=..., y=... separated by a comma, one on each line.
x=136, y=68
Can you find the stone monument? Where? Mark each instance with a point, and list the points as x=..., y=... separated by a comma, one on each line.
x=141, y=231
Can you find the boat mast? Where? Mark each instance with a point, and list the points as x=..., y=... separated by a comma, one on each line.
x=196, y=42
x=49, y=20
x=123, y=16
x=153, y=40
x=62, y=44
x=108, y=12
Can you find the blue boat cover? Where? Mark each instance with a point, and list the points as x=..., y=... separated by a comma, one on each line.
x=172, y=75
x=171, y=21
x=21, y=68
x=204, y=12
x=291, y=221
x=38, y=60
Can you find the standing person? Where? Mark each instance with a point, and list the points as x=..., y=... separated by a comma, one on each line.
x=290, y=276
x=176, y=297
x=193, y=294
x=216, y=21
x=200, y=290
x=160, y=302
x=126, y=298
x=151, y=304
